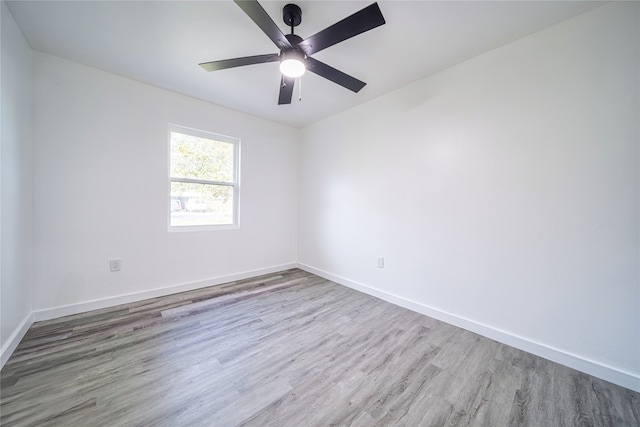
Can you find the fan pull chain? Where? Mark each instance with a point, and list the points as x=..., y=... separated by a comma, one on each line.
x=299, y=88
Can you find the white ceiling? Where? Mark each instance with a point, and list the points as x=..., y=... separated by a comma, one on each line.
x=162, y=42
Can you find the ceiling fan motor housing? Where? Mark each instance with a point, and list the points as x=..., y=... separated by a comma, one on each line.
x=295, y=40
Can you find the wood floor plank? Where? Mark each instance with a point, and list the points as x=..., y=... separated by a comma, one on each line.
x=288, y=349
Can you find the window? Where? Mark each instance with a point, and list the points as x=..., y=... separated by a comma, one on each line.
x=203, y=178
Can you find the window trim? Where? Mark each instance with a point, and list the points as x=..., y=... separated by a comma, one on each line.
x=235, y=183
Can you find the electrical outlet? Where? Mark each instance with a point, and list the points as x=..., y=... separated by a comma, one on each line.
x=380, y=262
x=115, y=264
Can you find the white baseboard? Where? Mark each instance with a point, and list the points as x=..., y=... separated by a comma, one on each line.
x=81, y=307
x=10, y=346
x=622, y=378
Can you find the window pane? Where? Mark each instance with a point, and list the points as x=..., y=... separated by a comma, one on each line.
x=201, y=158
x=201, y=204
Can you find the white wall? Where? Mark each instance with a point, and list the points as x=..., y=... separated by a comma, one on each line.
x=100, y=190
x=15, y=199
x=502, y=192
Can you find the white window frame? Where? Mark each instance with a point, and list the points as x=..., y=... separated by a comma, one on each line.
x=235, y=184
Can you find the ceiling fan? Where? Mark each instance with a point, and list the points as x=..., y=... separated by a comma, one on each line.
x=295, y=53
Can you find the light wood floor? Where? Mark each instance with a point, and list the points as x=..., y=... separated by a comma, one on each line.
x=288, y=349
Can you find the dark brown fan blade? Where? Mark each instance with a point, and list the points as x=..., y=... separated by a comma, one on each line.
x=286, y=90
x=239, y=62
x=368, y=18
x=253, y=9
x=336, y=76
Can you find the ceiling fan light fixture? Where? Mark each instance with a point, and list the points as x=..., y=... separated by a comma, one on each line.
x=294, y=53
x=292, y=65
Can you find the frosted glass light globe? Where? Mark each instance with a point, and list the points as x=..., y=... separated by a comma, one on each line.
x=292, y=67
